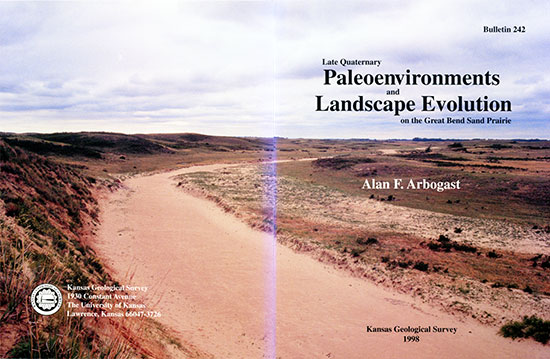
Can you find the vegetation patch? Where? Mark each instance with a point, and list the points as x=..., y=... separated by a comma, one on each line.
x=339, y=163
x=368, y=241
x=104, y=141
x=50, y=148
x=529, y=327
x=445, y=244
x=423, y=155
x=421, y=266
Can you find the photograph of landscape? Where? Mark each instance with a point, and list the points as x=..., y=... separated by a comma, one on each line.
x=274, y=180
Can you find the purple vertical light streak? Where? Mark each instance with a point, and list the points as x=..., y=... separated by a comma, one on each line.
x=270, y=211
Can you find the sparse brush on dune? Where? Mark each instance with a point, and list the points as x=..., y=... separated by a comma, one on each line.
x=530, y=327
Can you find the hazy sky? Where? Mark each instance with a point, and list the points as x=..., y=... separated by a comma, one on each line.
x=253, y=68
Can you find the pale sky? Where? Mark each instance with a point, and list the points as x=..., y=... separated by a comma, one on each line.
x=253, y=68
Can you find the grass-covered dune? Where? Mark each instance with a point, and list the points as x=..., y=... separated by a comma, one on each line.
x=45, y=208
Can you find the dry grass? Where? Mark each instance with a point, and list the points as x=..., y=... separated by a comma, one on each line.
x=45, y=208
x=524, y=184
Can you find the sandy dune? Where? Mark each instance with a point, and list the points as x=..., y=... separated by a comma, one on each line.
x=213, y=279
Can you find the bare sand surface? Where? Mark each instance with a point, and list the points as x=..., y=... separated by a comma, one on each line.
x=212, y=277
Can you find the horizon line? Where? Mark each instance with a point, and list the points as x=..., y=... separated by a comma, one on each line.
x=4, y=133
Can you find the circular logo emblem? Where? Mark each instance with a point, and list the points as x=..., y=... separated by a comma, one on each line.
x=46, y=299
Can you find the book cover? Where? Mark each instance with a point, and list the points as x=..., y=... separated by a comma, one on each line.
x=274, y=179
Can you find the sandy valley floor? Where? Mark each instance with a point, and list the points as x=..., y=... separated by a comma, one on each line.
x=216, y=282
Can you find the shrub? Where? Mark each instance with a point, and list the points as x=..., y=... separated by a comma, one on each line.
x=404, y=264
x=372, y=240
x=356, y=252
x=512, y=330
x=367, y=241
x=421, y=266
x=498, y=146
x=444, y=243
x=464, y=248
x=529, y=327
